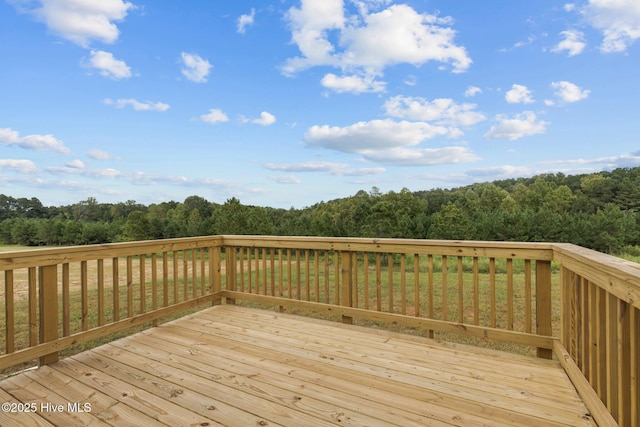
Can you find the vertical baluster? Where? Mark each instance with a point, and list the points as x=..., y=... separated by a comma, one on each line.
x=249, y=271
x=492, y=290
x=327, y=292
x=403, y=285
x=100, y=267
x=264, y=274
x=194, y=271
x=430, y=288
x=336, y=273
x=143, y=285
x=66, y=301
x=634, y=333
x=9, y=312
x=264, y=271
x=365, y=279
x=33, y=321
x=416, y=284
x=586, y=321
x=280, y=274
x=445, y=305
x=115, y=283
x=527, y=297
x=289, y=281
x=316, y=271
x=66, y=310
x=460, y=291
x=510, y=294
x=203, y=272
x=476, y=292
x=623, y=364
x=354, y=279
x=154, y=285
x=307, y=275
x=601, y=336
x=256, y=260
x=272, y=263
x=174, y=260
x=129, y=286
x=165, y=279
x=298, y=278
x=378, y=282
x=390, y=280
x=185, y=275
x=84, y=279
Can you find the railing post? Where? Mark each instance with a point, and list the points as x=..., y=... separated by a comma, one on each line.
x=231, y=264
x=346, y=297
x=543, y=304
x=215, y=274
x=48, y=309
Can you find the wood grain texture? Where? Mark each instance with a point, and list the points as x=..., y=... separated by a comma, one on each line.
x=231, y=365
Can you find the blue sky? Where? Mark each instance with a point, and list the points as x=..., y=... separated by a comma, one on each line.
x=288, y=103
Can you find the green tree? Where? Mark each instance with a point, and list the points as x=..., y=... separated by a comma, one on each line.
x=451, y=223
x=137, y=227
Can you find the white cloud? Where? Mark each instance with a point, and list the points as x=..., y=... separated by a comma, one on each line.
x=519, y=94
x=245, y=20
x=619, y=21
x=80, y=21
x=214, y=116
x=411, y=80
x=137, y=105
x=286, y=179
x=521, y=125
x=402, y=156
x=99, y=155
x=266, y=119
x=573, y=43
x=81, y=170
x=365, y=137
x=399, y=34
x=195, y=68
x=626, y=160
x=76, y=164
x=352, y=83
x=341, y=169
x=108, y=65
x=472, y=91
x=388, y=142
x=442, y=111
x=17, y=165
x=306, y=166
x=32, y=142
x=501, y=172
x=569, y=92
x=366, y=43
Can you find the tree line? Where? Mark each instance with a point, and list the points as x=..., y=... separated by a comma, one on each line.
x=599, y=211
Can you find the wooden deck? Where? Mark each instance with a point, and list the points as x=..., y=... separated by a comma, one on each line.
x=235, y=366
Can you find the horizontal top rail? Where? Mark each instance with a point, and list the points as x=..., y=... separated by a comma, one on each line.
x=615, y=275
x=516, y=250
x=51, y=256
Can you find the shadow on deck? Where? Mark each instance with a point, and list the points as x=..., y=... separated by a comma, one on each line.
x=229, y=365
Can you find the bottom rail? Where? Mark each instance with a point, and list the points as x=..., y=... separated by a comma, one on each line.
x=51, y=347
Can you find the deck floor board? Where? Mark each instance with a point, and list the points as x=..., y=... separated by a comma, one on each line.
x=236, y=366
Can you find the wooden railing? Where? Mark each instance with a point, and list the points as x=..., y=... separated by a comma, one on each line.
x=601, y=326
x=556, y=298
